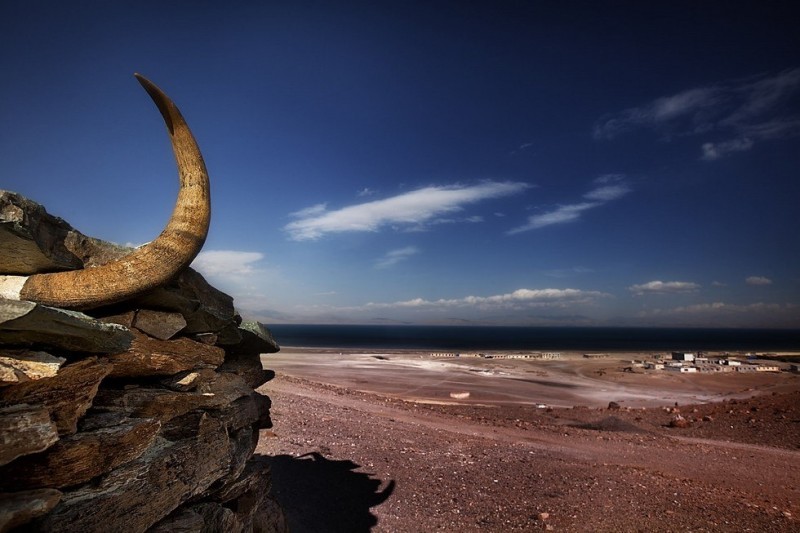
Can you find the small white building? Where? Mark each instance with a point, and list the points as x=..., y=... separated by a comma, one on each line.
x=682, y=356
x=681, y=369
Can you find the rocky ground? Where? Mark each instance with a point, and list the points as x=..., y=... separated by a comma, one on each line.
x=344, y=460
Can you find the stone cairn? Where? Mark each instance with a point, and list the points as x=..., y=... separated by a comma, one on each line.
x=140, y=416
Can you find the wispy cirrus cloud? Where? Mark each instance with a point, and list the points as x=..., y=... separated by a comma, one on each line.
x=610, y=187
x=758, y=281
x=663, y=287
x=391, y=258
x=412, y=209
x=733, y=116
x=761, y=314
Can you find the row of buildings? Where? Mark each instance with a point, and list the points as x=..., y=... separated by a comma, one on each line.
x=687, y=362
x=517, y=355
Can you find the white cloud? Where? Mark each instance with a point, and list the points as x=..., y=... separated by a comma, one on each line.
x=393, y=257
x=519, y=298
x=225, y=263
x=758, y=280
x=742, y=113
x=572, y=212
x=366, y=191
x=663, y=287
x=412, y=208
x=759, y=314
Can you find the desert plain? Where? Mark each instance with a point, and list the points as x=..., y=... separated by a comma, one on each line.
x=404, y=440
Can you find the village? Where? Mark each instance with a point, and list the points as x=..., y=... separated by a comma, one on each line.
x=682, y=362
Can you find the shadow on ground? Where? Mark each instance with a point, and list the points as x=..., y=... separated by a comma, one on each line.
x=323, y=495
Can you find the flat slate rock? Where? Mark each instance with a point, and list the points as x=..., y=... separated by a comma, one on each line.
x=32, y=240
x=256, y=339
x=78, y=458
x=137, y=495
x=161, y=325
x=27, y=324
x=152, y=357
x=18, y=366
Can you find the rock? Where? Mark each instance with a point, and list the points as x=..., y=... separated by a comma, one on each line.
x=206, y=309
x=254, y=478
x=543, y=516
x=247, y=411
x=123, y=319
x=613, y=406
x=28, y=324
x=24, y=365
x=213, y=391
x=159, y=324
x=25, y=429
x=19, y=508
x=218, y=518
x=80, y=457
x=31, y=240
x=248, y=367
x=243, y=444
x=181, y=520
x=153, y=357
x=146, y=489
x=269, y=518
x=708, y=418
x=678, y=421
x=67, y=395
x=256, y=339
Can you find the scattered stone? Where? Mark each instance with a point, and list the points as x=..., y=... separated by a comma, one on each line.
x=159, y=324
x=708, y=418
x=25, y=429
x=613, y=406
x=543, y=516
x=678, y=421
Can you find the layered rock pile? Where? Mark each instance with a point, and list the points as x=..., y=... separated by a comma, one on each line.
x=141, y=416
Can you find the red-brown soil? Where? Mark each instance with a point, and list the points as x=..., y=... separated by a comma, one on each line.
x=349, y=460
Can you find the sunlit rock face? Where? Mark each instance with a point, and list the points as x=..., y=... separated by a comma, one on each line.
x=137, y=416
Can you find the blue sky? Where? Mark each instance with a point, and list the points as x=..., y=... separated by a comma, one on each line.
x=587, y=163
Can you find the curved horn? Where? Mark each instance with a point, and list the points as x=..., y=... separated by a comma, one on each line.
x=150, y=265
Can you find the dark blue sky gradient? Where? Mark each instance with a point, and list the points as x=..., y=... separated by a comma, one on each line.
x=678, y=122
